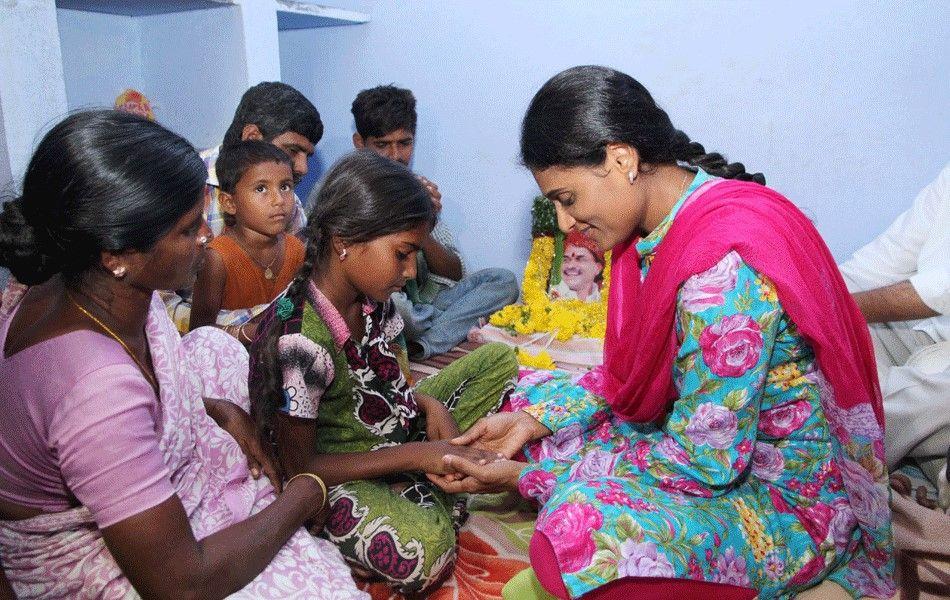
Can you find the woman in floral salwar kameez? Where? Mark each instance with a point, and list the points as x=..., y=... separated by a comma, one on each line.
x=731, y=444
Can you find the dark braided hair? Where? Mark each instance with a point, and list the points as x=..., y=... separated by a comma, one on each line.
x=579, y=111
x=363, y=197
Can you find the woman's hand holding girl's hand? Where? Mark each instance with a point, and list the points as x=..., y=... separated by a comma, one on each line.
x=504, y=433
x=231, y=418
x=476, y=478
x=429, y=455
x=440, y=425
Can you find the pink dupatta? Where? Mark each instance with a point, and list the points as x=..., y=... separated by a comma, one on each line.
x=777, y=240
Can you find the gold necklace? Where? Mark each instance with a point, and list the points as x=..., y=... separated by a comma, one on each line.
x=268, y=273
x=115, y=336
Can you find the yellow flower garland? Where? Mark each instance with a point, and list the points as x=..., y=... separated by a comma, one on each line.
x=541, y=360
x=565, y=318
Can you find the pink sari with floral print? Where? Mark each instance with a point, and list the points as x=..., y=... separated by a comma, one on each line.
x=63, y=555
x=777, y=240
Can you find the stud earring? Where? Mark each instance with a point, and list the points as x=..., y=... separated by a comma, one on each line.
x=203, y=240
x=119, y=273
x=631, y=175
x=343, y=254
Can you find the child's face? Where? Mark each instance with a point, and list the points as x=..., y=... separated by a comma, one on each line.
x=379, y=267
x=263, y=199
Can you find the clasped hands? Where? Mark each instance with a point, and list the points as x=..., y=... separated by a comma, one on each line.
x=480, y=460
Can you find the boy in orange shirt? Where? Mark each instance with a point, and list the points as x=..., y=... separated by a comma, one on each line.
x=254, y=259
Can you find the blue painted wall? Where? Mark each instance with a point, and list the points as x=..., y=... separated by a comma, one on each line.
x=189, y=64
x=102, y=56
x=844, y=105
x=194, y=70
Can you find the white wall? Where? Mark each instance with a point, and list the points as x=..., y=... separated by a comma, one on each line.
x=194, y=70
x=258, y=20
x=102, y=56
x=6, y=176
x=191, y=65
x=32, y=94
x=844, y=106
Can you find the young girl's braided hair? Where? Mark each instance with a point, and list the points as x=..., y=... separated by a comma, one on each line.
x=579, y=111
x=363, y=197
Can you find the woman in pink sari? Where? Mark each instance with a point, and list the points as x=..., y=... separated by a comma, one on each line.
x=731, y=446
x=127, y=465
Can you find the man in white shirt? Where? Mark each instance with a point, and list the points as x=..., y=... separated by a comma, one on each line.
x=901, y=282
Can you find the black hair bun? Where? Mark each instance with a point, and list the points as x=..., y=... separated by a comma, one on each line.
x=22, y=250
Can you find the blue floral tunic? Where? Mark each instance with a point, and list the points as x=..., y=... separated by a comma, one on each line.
x=737, y=485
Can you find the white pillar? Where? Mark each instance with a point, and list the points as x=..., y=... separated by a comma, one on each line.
x=261, y=45
x=32, y=88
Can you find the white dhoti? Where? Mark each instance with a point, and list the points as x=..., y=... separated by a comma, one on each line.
x=914, y=372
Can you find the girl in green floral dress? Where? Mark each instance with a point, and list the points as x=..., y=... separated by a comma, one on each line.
x=329, y=393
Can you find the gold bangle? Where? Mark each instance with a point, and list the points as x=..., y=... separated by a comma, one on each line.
x=315, y=477
x=242, y=333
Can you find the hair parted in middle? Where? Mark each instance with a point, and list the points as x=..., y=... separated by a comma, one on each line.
x=99, y=181
x=579, y=111
x=364, y=196
x=383, y=109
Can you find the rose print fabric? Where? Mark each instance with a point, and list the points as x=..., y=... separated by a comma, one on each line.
x=63, y=555
x=402, y=528
x=738, y=484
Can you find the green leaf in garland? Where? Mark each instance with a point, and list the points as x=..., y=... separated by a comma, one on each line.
x=543, y=217
x=557, y=260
